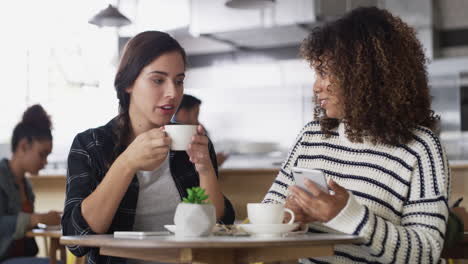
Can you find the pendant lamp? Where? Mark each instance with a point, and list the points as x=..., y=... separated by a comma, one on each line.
x=109, y=17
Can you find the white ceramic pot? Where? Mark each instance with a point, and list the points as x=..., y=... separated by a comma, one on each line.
x=194, y=220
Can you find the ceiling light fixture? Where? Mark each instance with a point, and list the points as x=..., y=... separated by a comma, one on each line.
x=109, y=17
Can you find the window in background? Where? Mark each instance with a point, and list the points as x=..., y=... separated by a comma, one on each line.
x=445, y=92
x=253, y=102
x=52, y=56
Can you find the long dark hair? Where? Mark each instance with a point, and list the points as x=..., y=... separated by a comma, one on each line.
x=35, y=125
x=140, y=51
x=379, y=63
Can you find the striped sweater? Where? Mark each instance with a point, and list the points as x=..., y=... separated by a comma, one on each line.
x=398, y=194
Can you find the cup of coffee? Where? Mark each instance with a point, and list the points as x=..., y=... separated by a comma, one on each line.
x=265, y=213
x=181, y=135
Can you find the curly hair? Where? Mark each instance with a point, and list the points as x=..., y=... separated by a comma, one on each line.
x=376, y=59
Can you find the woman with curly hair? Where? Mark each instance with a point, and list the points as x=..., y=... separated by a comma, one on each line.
x=373, y=138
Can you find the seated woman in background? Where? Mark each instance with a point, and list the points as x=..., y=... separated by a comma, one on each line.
x=122, y=176
x=372, y=137
x=30, y=145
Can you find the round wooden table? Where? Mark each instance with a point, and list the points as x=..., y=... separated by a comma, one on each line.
x=213, y=249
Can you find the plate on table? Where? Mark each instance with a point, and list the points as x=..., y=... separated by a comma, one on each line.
x=172, y=228
x=217, y=229
x=268, y=230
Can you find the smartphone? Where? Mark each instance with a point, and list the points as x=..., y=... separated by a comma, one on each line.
x=315, y=175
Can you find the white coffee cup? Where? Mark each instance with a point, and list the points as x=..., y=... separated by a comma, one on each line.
x=264, y=213
x=181, y=135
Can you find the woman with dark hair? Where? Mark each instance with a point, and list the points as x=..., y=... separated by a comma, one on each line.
x=31, y=144
x=122, y=176
x=372, y=137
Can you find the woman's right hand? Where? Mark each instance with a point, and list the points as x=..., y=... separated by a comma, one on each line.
x=148, y=150
x=299, y=215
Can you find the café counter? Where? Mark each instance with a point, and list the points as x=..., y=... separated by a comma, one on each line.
x=241, y=185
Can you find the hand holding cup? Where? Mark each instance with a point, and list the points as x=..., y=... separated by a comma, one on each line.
x=199, y=153
x=148, y=150
x=191, y=138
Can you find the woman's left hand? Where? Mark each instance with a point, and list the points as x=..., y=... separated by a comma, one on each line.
x=319, y=205
x=198, y=152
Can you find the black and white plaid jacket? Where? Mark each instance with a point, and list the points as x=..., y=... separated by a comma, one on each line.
x=90, y=157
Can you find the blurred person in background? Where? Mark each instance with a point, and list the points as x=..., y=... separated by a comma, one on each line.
x=30, y=145
x=189, y=110
x=188, y=113
x=373, y=137
x=123, y=176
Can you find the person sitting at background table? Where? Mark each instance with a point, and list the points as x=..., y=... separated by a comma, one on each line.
x=188, y=113
x=372, y=137
x=31, y=144
x=122, y=176
x=189, y=110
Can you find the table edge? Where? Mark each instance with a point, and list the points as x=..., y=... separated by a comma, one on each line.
x=137, y=243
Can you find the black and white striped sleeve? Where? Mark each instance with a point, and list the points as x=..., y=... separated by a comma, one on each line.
x=419, y=237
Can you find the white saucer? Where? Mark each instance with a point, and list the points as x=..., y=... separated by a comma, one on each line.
x=268, y=230
x=172, y=228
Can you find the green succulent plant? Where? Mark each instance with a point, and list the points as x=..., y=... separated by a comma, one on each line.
x=196, y=195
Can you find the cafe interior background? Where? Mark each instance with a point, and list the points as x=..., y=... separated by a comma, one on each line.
x=243, y=65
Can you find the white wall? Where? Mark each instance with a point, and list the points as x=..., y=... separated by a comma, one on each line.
x=241, y=102
x=254, y=102
x=55, y=58
x=266, y=102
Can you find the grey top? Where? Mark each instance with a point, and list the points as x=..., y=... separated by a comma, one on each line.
x=158, y=198
x=13, y=222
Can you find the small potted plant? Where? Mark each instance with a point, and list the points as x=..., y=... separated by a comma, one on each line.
x=195, y=216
